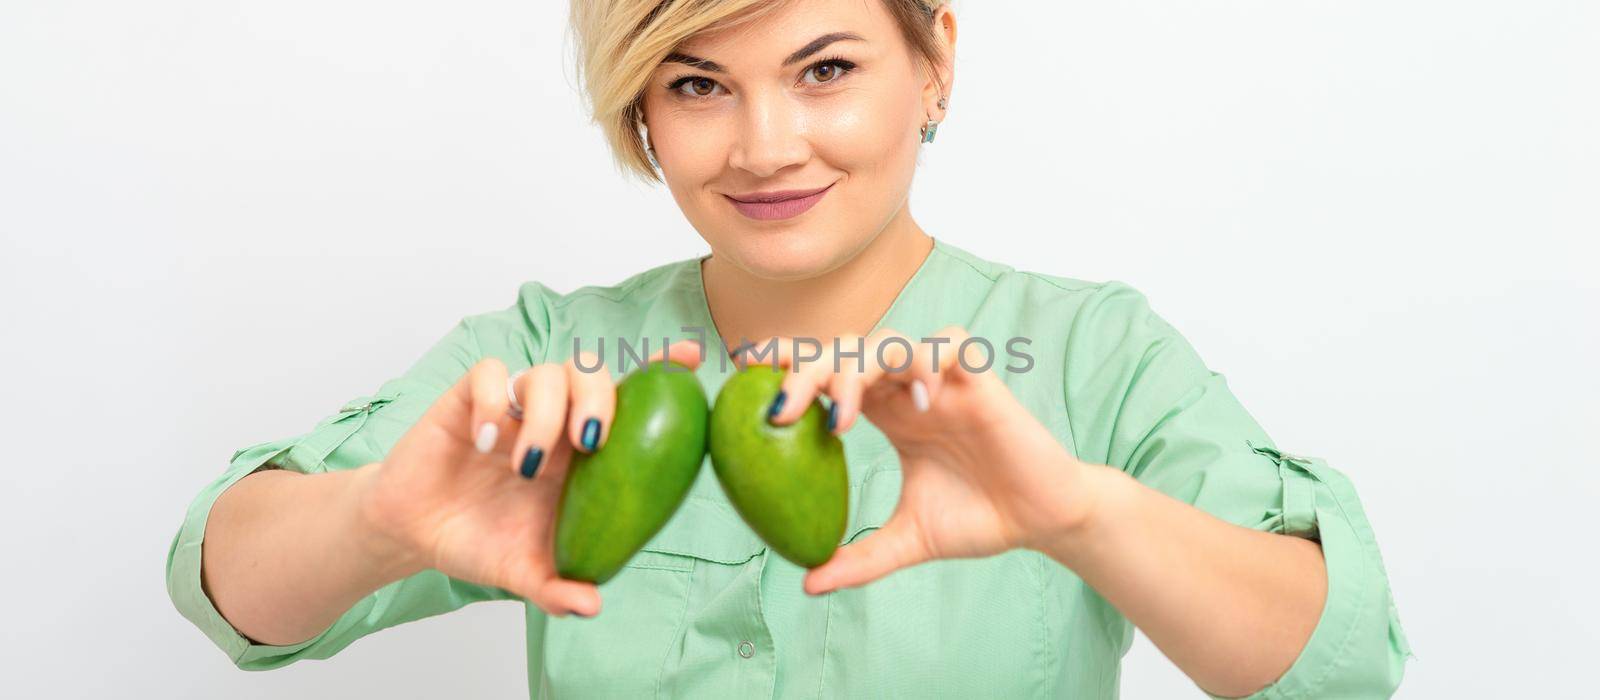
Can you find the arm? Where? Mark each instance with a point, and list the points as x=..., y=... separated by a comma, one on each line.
x=1253, y=570
x=1270, y=553
x=285, y=554
x=290, y=553
x=278, y=529
x=407, y=504
x=1231, y=606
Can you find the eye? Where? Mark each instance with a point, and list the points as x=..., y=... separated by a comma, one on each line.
x=827, y=71
x=700, y=87
x=695, y=86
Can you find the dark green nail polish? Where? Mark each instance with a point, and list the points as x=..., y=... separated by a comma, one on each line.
x=777, y=404
x=591, y=434
x=833, y=416
x=530, y=462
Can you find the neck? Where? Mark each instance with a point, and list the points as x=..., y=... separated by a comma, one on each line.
x=847, y=300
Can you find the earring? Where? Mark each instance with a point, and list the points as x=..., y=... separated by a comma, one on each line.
x=930, y=129
x=649, y=148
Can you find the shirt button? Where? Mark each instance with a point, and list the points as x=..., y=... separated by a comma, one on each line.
x=746, y=649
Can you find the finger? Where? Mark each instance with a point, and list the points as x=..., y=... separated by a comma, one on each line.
x=847, y=365
x=917, y=369
x=890, y=549
x=487, y=380
x=593, y=398
x=862, y=363
x=808, y=374
x=782, y=352
x=787, y=354
x=959, y=355
x=969, y=363
x=923, y=381
x=684, y=352
x=543, y=393
x=935, y=359
x=889, y=357
x=889, y=366
x=845, y=389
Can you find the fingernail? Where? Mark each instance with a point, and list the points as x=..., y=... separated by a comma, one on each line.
x=591, y=434
x=833, y=416
x=530, y=462
x=919, y=395
x=777, y=405
x=488, y=434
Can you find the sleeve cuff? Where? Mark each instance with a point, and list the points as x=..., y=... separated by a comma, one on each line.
x=183, y=560
x=1358, y=648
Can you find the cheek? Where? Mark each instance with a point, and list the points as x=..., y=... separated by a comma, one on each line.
x=868, y=139
x=694, y=141
x=696, y=146
x=693, y=147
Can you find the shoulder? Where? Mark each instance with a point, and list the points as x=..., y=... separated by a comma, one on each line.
x=1052, y=298
x=525, y=326
x=537, y=299
x=1087, y=330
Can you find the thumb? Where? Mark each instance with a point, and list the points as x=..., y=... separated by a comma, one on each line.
x=537, y=583
x=559, y=596
x=896, y=546
x=577, y=597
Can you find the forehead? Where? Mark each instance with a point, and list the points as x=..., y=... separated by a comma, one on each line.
x=781, y=27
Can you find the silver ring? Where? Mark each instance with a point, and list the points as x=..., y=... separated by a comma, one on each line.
x=515, y=410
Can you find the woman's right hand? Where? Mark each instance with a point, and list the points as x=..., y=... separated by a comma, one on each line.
x=452, y=494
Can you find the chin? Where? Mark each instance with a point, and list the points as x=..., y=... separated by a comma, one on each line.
x=791, y=254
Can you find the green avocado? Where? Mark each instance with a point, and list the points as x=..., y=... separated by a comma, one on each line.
x=616, y=498
x=788, y=482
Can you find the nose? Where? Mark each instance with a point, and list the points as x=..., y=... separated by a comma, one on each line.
x=771, y=136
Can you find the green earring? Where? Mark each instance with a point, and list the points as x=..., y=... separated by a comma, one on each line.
x=930, y=129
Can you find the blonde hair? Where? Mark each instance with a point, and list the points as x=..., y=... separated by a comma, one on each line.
x=620, y=42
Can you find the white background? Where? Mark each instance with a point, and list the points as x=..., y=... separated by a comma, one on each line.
x=223, y=219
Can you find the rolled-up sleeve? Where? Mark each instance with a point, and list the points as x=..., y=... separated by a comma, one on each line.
x=359, y=433
x=1151, y=407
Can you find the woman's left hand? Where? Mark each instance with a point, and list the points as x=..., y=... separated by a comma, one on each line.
x=980, y=474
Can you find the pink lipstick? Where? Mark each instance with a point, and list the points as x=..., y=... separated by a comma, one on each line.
x=783, y=204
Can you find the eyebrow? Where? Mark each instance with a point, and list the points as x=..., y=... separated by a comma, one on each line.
x=802, y=54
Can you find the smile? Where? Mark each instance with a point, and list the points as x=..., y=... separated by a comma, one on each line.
x=770, y=206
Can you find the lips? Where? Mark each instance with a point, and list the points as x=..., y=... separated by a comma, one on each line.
x=783, y=204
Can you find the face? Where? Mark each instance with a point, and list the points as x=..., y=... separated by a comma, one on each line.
x=789, y=142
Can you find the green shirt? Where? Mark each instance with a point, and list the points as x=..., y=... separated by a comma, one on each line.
x=706, y=610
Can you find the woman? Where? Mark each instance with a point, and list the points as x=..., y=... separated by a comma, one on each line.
x=1009, y=523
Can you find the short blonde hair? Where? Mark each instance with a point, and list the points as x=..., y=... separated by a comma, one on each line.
x=620, y=42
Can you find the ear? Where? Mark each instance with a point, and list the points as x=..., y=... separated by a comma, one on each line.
x=943, y=80
x=641, y=122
